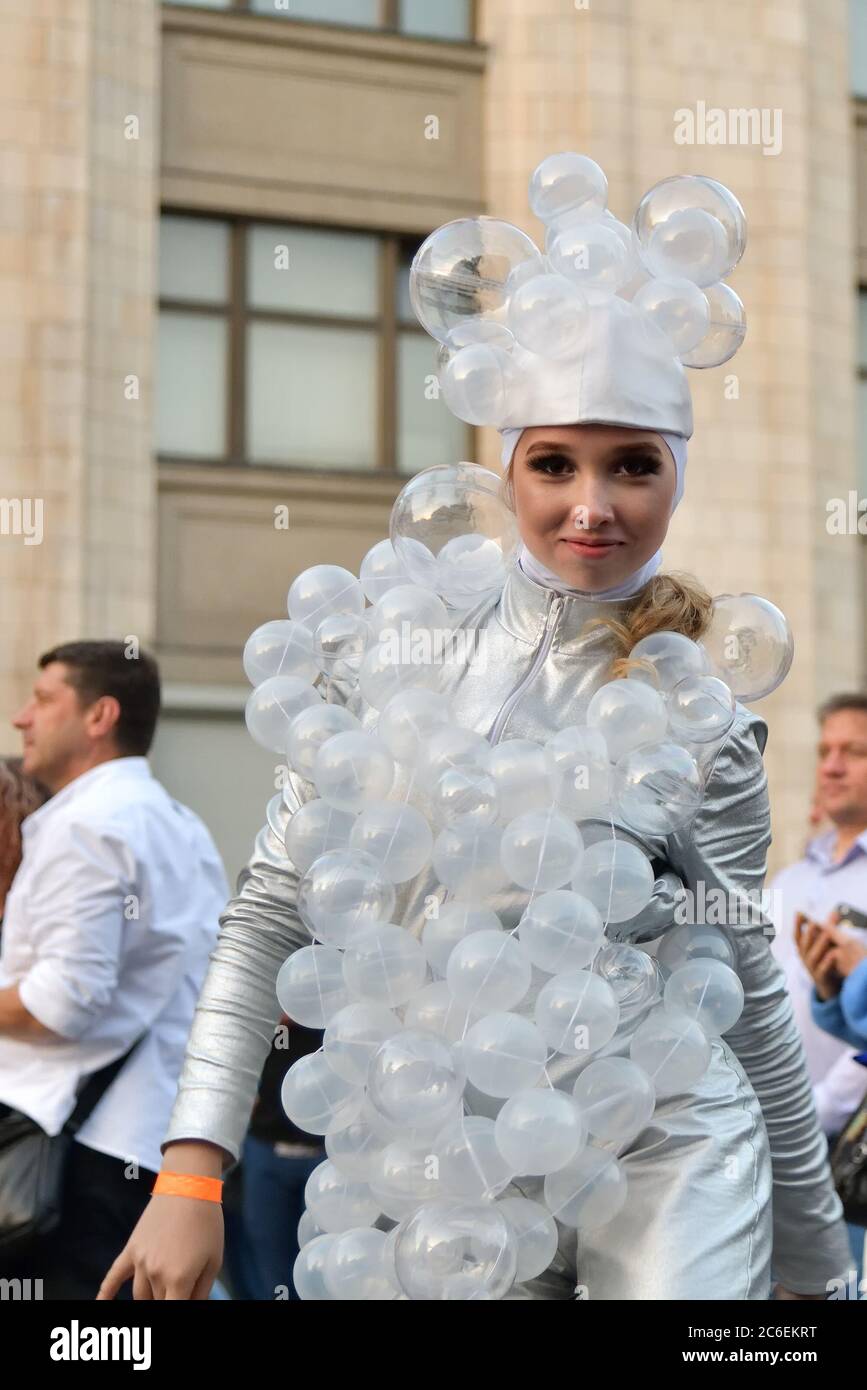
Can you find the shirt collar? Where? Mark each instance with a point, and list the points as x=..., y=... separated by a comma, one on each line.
x=821, y=847
x=103, y=772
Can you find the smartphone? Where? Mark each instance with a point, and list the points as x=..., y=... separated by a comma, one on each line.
x=851, y=916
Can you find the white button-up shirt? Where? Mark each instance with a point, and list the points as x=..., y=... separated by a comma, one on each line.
x=107, y=932
x=816, y=885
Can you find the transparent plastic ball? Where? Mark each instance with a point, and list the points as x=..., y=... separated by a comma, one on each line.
x=353, y=769
x=657, y=788
x=460, y=272
x=450, y=749
x=561, y=931
x=407, y=604
x=666, y=659
x=456, y=1252
x=407, y=1175
x=384, y=964
x=415, y=1079
x=588, y=1192
x=539, y=1130
x=490, y=331
x=273, y=705
x=504, y=1053
x=616, y=877
x=577, y=1013
x=548, y=316
x=708, y=992
x=338, y=1203
x=355, y=1149
x=397, y=836
x=308, y=1272
x=314, y=829
x=310, y=987
x=488, y=970
x=340, y=643
x=692, y=226
x=590, y=255
x=541, y=849
x=469, y=569
x=355, y=1268
x=307, y=1230
x=453, y=921
x=520, y=775
x=536, y=1233
x=750, y=644
x=468, y=862
x=627, y=713
x=694, y=941
x=310, y=729
x=448, y=501
x=465, y=797
x=700, y=709
x=315, y=1098
x=393, y=666
x=632, y=974
x=354, y=1033
x=568, y=184
x=408, y=721
x=579, y=771
x=678, y=308
x=380, y=571
x=342, y=894
x=616, y=1098
x=322, y=590
x=436, y=1010
x=280, y=648
x=471, y=1165
x=476, y=384
x=672, y=1049
x=727, y=328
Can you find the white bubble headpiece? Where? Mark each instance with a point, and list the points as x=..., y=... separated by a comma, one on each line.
x=600, y=326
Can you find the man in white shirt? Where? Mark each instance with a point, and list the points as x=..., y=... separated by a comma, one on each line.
x=833, y=872
x=107, y=932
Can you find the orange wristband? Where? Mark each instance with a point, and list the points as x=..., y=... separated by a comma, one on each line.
x=188, y=1185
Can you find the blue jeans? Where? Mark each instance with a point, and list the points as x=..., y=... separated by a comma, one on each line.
x=262, y=1238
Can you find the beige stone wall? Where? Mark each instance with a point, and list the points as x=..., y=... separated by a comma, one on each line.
x=77, y=261
x=607, y=80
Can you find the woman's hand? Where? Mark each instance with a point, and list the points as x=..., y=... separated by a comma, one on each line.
x=817, y=946
x=176, y=1248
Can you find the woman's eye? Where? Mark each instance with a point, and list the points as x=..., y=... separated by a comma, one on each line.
x=638, y=467
x=552, y=464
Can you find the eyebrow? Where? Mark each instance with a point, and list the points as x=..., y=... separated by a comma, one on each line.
x=619, y=451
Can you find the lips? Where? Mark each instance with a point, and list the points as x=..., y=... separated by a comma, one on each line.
x=591, y=547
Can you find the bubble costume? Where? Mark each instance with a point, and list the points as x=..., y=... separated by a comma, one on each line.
x=535, y=1081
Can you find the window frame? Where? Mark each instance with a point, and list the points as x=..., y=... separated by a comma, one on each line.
x=389, y=11
x=238, y=315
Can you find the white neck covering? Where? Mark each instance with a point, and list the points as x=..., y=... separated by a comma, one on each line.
x=540, y=574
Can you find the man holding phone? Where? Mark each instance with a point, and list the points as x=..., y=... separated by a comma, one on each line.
x=819, y=908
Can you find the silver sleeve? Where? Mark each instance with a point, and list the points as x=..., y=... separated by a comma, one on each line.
x=725, y=846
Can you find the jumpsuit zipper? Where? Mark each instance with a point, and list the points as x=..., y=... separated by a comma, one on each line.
x=555, y=605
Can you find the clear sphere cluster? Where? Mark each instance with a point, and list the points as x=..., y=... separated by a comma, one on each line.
x=482, y=288
x=420, y=1196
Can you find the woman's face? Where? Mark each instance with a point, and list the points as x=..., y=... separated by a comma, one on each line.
x=593, y=502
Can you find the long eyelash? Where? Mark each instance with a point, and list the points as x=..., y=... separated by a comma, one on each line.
x=648, y=464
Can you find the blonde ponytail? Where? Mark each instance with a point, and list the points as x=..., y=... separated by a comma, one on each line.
x=673, y=602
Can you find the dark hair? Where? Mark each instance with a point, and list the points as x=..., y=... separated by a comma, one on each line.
x=850, y=700
x=106, y=668
x=20, y=796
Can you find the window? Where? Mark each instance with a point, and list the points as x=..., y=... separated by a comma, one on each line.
x=295, y=346
x=451, y=20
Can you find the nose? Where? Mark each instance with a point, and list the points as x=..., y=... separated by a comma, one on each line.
x=592, y=508
x=22, y=719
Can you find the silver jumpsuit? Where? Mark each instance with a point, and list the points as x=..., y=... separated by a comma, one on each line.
x=729, y=1184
